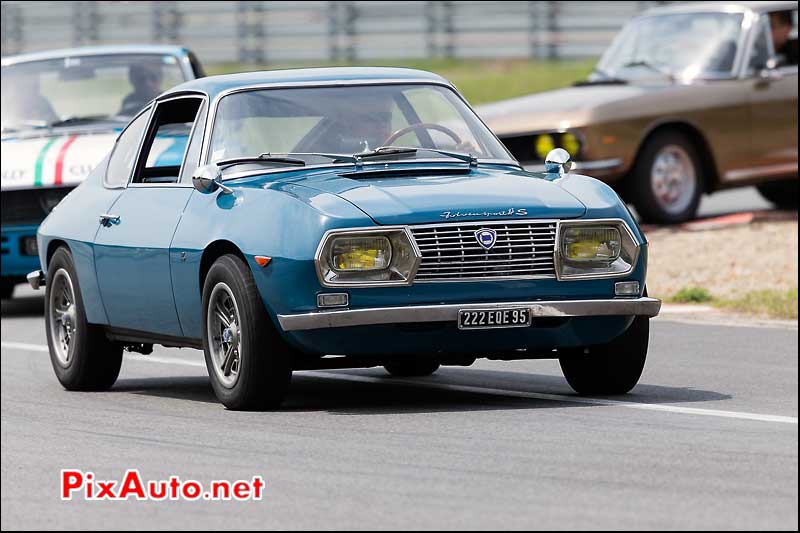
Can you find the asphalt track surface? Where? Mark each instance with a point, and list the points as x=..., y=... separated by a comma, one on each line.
x=708, y=439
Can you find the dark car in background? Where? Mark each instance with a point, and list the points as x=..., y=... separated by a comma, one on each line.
x=688, y=99
x=61, y=113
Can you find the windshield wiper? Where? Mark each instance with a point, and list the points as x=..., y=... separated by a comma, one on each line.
x=652, y=66
x=403, y=150
x=606, y=79
x=336, y=158
x=72, y=120
x=263, y=158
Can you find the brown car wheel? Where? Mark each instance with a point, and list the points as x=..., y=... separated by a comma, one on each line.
x=667, y=180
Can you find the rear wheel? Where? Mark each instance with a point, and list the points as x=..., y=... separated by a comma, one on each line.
x=412, y=367
x=82, y=356
x=612, y=368
x=666, y=183
x=781, y=193
x=248, y=362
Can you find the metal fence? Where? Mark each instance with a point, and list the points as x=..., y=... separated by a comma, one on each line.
x=283, y=32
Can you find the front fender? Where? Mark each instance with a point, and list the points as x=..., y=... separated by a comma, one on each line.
x=282, y=221
x=601, y=201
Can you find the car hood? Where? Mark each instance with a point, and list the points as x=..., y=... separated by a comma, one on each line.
x=53, y=159
x=422, y=195
x=562, y=109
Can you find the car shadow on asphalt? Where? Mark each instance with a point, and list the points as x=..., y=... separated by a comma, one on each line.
x=310, y=393
x=27, y=306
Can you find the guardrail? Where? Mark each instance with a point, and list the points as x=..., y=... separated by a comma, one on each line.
x=282, y=32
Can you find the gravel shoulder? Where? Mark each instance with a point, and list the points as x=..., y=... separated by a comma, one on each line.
x=727, y=261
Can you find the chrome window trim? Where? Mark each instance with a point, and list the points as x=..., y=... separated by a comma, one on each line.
x=214, y=105
x=418, y=254
x=156, y=102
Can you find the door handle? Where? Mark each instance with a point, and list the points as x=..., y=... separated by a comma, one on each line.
x=108, y=220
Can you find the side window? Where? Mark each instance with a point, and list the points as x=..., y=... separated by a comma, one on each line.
x=761, y=50
x=784, y=28
x=166, y=140
x=122, y=159
x=192, y=158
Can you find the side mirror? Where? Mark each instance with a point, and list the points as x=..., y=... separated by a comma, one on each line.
x=558, y=162
x=208, y=179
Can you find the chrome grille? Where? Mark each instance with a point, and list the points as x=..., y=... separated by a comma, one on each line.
x=451, y=251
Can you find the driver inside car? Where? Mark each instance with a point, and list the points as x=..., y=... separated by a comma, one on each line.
x=781, y=25
x=30, y=106
x=146, y=80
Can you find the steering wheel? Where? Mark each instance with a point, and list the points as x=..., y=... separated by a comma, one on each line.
x=421, y=126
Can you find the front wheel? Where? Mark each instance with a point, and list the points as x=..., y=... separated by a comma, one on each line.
x=248, y=362
x=781, y=193
x=666, y=182
x=82, y=356
x=612, y=368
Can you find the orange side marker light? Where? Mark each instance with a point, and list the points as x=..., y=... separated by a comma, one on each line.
x=262, y=260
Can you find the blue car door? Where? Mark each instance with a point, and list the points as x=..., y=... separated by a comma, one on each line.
x=132, y=245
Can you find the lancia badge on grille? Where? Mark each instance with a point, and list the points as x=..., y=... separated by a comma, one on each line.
x=486, y=237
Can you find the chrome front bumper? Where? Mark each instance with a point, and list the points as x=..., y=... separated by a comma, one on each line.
x=449, y=313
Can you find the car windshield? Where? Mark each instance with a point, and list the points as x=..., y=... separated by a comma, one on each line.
x=350, y=120
x=72, y=90
x=681, y=45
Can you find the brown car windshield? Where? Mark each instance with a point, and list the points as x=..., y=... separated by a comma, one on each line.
x=678, y=45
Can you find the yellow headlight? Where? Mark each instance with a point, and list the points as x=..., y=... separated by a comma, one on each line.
x=591, y=244
x=570, y=143
x=350, y=254
x=543, y=144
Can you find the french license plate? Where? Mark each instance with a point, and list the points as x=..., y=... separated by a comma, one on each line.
x=517, y=317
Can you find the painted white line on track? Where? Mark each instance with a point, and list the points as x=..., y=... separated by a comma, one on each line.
x=559, y=398
x=469, y=389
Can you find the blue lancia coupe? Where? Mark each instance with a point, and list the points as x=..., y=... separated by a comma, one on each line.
x=337, y=218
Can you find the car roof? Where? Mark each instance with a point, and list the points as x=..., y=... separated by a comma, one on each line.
x=96, y=51
x=215, y=85
x=735, y=7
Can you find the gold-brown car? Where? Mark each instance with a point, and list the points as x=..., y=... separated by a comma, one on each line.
x=687, y=100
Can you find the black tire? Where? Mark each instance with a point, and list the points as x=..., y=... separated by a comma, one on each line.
x=263, y=364
x=641, y=181
x=7, y=289
x=94, y=362
x=413, y=367
x=612, y=368
x=783, y=194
